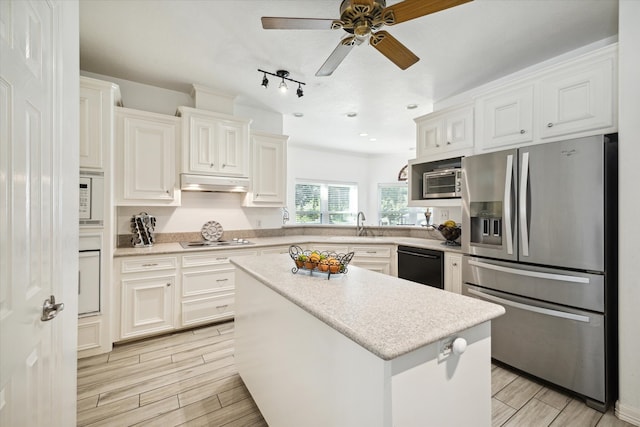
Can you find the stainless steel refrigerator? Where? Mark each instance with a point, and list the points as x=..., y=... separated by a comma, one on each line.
x=540, y=238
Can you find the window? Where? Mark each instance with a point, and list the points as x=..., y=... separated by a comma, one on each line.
x=392, y=206
x=326, y=203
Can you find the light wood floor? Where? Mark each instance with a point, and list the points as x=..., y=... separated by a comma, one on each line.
x=189, y=379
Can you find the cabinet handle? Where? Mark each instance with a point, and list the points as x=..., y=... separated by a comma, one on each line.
x=437, y=145
x=549, y=125
x=224, y=165
x=455, y=264
x=168, y=284
x=222, y=259
x=222, y=306
x=168, y=192
x=211, y=165
x=221, y=280
x=372, y=252
x=522, y=131
x=448, y=142
x=150, y=265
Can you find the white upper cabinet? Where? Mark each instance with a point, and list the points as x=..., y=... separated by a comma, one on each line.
x=97, y=99
x=444, y=132
x=214, y=143
x=506, y=117
x=146, y=158
x=579, y=98
x=268, y=170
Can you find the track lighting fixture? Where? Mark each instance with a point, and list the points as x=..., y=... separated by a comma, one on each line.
x=284, y=75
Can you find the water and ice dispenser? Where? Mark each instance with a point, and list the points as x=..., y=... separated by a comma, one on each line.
x=485, y=223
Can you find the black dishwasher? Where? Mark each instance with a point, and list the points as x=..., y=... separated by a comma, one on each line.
x=425, y=266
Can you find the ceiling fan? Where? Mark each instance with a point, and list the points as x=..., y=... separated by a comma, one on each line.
x=362, y=20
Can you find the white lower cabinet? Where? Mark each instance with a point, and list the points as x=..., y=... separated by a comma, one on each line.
x=453, y=272
x=208, y=286
x=147, y=305
x=374, y=257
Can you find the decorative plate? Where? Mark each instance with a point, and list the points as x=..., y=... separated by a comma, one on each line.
x=212, y=231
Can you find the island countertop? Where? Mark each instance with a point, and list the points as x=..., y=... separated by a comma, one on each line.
x=386, y=315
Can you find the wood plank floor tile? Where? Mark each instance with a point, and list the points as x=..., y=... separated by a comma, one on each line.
x=139, y=414
x=190, y=378
x=209, y=388
x=534, y=414
x=224, y=415
x=553, y=397
x=107, y=411
x=500, y=378
x=181, y=415
x=500, y=412
x=205, y=377
x=577, y=414
x=518, y=392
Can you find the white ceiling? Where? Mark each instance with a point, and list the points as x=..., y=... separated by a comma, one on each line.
x=221, y=44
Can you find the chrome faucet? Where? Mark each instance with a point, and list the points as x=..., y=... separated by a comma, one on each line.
x=285, y=216
x=360, y=224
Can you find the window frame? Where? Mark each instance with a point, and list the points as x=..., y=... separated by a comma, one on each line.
x=324, y=213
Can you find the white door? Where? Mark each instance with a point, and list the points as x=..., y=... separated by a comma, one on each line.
x=38, y=211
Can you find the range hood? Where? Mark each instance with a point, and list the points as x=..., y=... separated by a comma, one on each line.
x=210, y=183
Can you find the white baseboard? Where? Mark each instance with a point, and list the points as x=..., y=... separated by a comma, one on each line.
x=628, y=413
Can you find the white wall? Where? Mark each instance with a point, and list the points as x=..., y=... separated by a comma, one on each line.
x=629, y=175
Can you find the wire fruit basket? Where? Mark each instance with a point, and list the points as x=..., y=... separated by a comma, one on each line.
x=319, y=262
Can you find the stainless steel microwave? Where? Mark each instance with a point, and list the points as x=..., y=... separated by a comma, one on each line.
x=442, y=184
x=91, y=198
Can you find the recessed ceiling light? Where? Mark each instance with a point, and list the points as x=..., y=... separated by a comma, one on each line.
x=373, y=139
x=412, y=106
x=352, y=114
x=364, y=134
x=298, y=115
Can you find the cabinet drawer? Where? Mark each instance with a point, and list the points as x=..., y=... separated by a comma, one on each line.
x=137, y=264
x=206, y=309
x=214, y=257
x=205, y=281
x=371, y=251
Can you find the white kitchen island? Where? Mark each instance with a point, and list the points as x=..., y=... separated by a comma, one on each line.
x=360, y=349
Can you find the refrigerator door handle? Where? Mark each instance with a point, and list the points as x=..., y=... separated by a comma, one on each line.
x=524, y=183
x=529, y=273
x=507, y=204
x=532, y=308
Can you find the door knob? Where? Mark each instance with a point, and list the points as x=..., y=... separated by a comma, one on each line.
x=50, y=309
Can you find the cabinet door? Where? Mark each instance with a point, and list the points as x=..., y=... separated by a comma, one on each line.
x=233, y=138
x=269, y=169
x=203, y=150
x=91, y=126
x=147, y=305
x=578, y=99
x=458, y=129
x=507, y=118
x=453, y=272
x=430, y=136
x=147, y=157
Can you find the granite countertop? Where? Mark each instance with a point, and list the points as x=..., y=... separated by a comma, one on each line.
x=385, y=315
x=263, y=242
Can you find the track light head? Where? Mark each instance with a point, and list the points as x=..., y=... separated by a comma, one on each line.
x=284, y=75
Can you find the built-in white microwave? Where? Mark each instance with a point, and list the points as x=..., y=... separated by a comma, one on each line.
x=442, y=184
x=91, y=198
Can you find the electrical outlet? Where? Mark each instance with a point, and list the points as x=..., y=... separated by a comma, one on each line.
x=444, y=215
x=259, y=223
x=445, y=348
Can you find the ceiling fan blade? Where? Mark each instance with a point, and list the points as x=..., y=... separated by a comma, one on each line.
x=279, y=23
x=337, y=56
x=390, y=47
x=411, y=9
